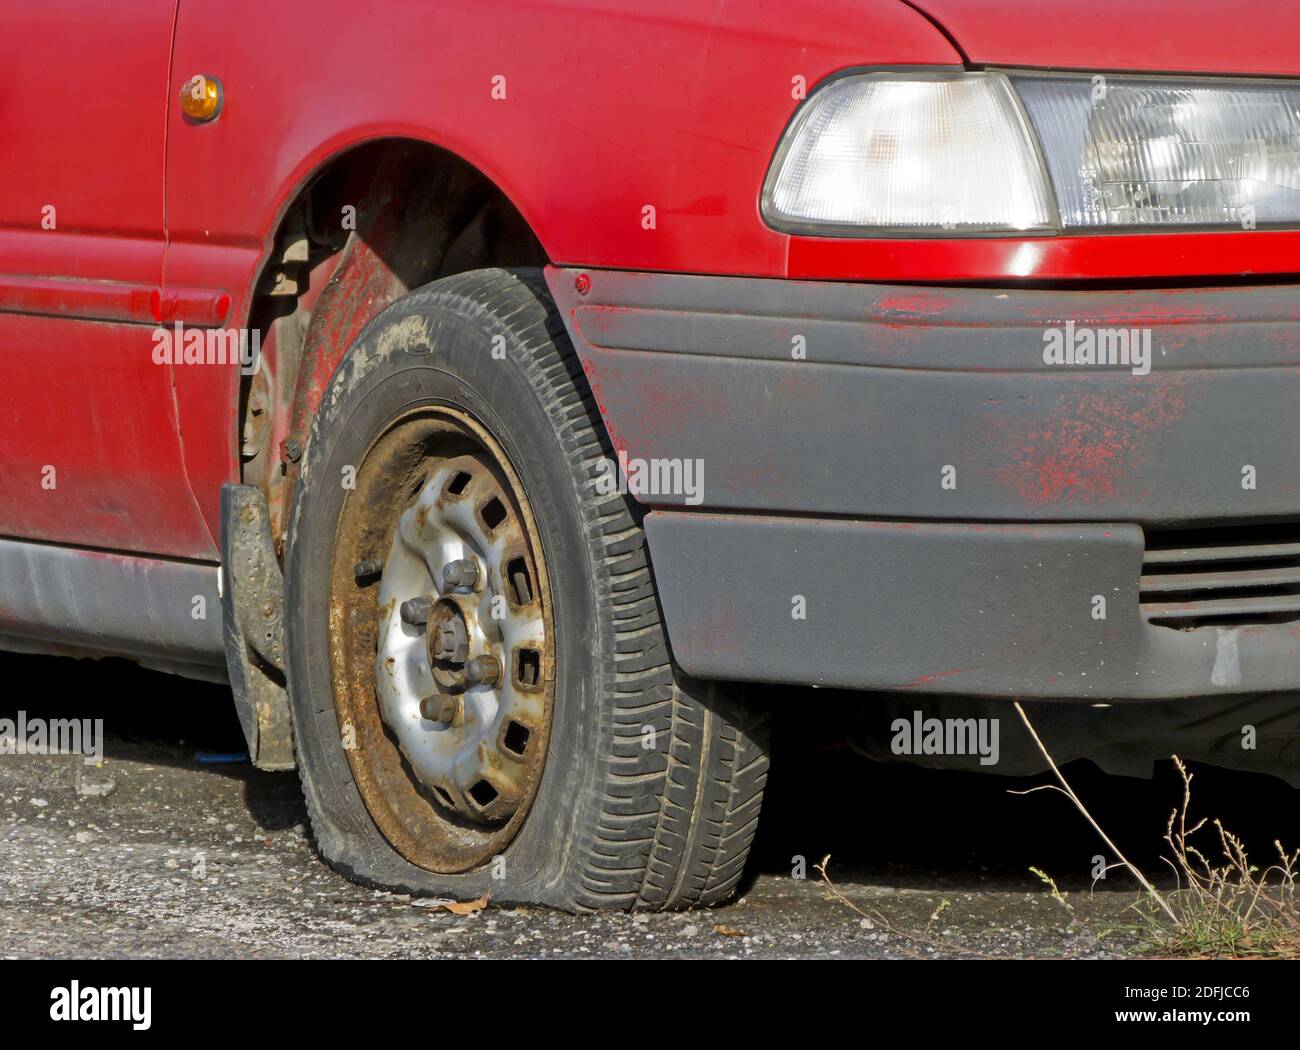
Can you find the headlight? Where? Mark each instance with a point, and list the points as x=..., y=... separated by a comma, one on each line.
x=899, y=153
x=1125, y=151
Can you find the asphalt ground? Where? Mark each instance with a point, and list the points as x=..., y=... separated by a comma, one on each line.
x=175, y=848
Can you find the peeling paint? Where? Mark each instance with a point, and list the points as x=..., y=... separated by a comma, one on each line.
x=1227, y=660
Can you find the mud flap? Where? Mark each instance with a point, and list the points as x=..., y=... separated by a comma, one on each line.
x=252, y=605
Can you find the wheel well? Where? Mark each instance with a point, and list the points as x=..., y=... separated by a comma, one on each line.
x=373, y=223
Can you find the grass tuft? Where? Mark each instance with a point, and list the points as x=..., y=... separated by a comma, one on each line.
x=1224, y=905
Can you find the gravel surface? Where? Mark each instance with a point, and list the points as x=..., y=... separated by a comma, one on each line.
x=161, y=852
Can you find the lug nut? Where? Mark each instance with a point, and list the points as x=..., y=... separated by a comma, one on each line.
x=366, y=569
x=416, y=611
x=449, y=640
x=439, y=708
x=463, y=572
x=483, y=670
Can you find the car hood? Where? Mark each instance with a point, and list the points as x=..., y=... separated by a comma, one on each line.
x=1171, y=36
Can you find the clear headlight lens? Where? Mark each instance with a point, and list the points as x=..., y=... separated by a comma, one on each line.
x=926, y=152
x=1126, y=151
x=905, y=153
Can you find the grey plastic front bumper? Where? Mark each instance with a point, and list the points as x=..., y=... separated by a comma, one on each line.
x=920, y=501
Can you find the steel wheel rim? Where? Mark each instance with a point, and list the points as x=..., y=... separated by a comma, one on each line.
x=449, y=787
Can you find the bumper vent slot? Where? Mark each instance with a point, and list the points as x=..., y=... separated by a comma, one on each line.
x=1221, y=576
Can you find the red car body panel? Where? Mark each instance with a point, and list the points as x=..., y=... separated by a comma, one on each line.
x=608, y=110
x=1253, y=38
x=82, y=239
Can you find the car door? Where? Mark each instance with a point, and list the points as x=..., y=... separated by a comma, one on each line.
x=89, y=446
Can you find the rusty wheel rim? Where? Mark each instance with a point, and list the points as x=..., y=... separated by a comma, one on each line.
x=443, y=661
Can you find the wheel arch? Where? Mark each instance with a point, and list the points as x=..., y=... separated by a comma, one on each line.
x=418, y=212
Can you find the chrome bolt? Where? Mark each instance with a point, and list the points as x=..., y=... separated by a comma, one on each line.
x=463, y=572
x=483, y=670
x=416, y=611
x=367, y=568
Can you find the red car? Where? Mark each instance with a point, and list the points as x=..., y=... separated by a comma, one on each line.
x=485, y=389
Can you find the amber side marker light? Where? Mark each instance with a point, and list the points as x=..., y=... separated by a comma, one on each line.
x=201, y=98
